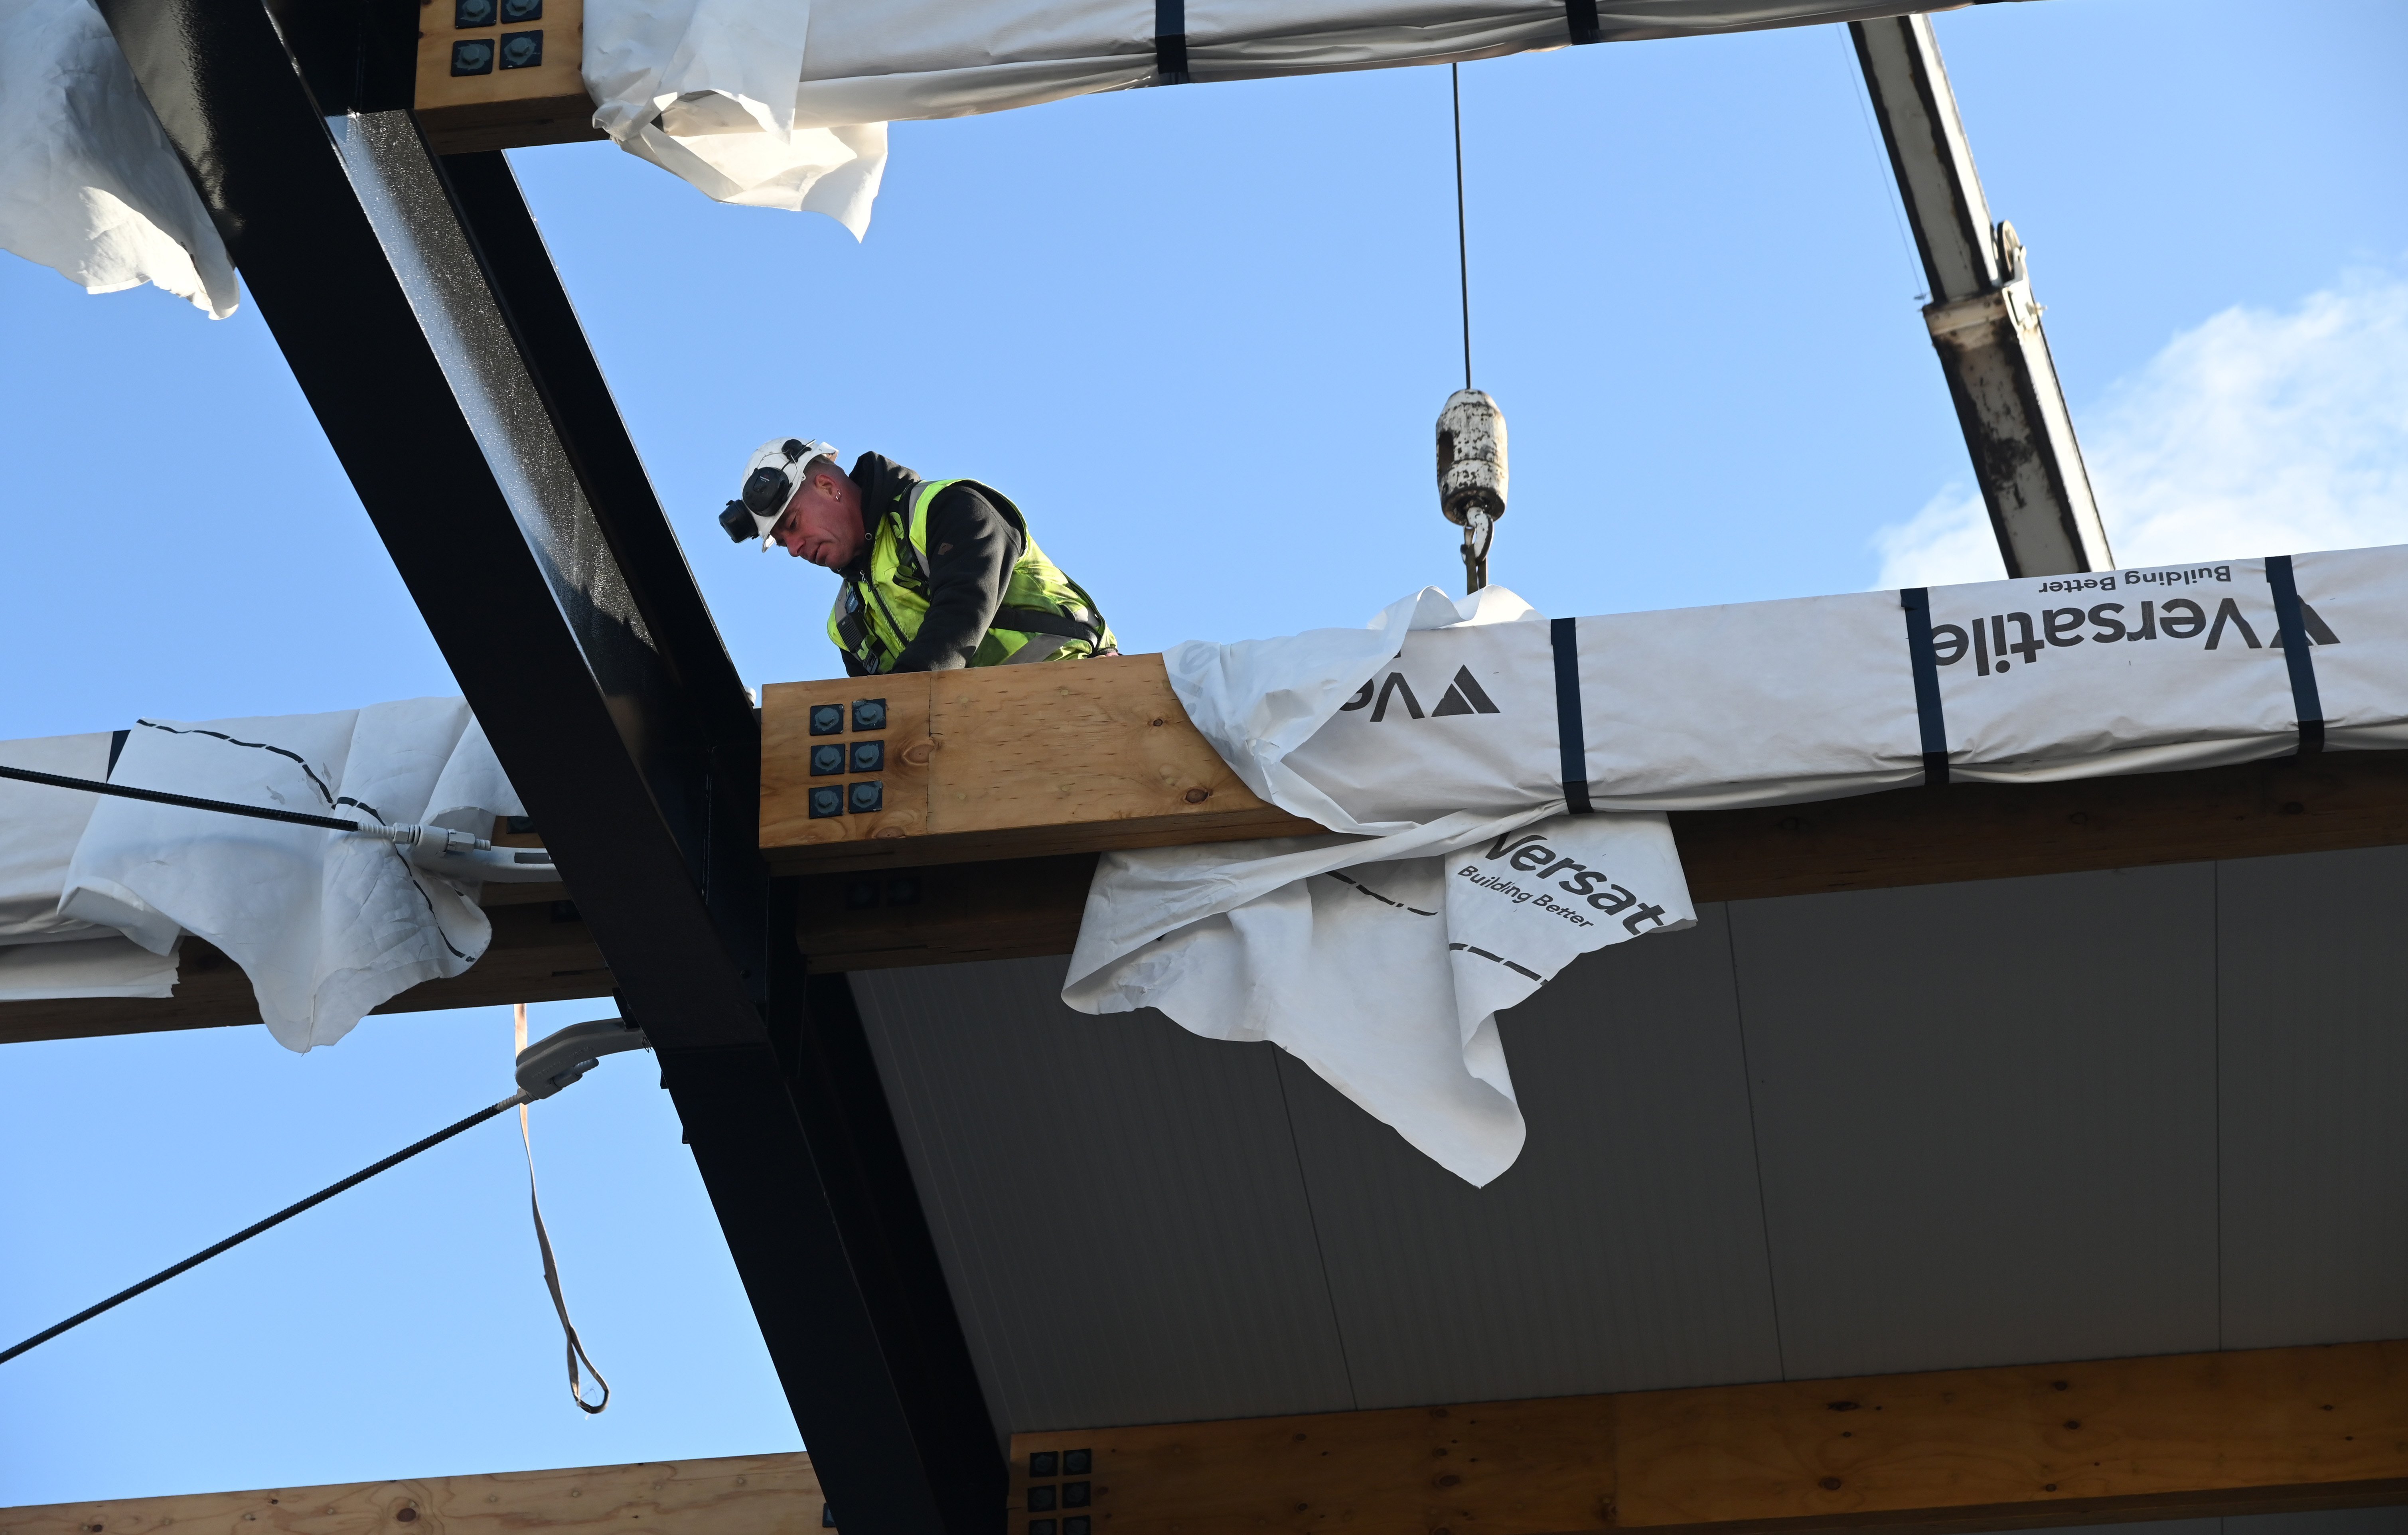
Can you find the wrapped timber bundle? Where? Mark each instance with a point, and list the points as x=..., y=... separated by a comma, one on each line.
x=1495, y=781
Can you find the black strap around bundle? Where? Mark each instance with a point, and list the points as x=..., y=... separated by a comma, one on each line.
x=1570, y=734
x=1580, y=17
x=2307, y=705
x=1916, y=600
x=1171, y=42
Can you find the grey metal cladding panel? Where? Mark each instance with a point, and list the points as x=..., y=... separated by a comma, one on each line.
x=2353, y=1521
x=1625, y=1250
x=1116, y=1202
x=2315, y=952
x=2347, y=1521
x=1986, y=1118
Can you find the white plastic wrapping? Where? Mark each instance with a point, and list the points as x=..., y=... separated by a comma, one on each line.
x=326, y=925
x=768, y=103
x=784, y=103
x=1381, y=959
x=89, y=186
x=95, y=892
x=1451, y=734
x=45, y=953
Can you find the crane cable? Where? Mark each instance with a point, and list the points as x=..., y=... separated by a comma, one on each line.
x=1462, y=239
x=514, y=1101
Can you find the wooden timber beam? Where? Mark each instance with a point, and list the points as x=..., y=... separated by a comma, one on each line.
x=2022, y=1446
x=477, y=90
x=2187, y=1436
x=1006, y=762
x=736, y=1495
x=541, y=951
x=997, y=788
x=1045, y=777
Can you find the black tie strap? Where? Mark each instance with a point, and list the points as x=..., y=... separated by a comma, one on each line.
x=1170, y=41
x=1916, y=600
x=1564, y=633
x=2307, y=705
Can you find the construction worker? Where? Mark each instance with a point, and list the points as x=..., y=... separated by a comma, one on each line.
x=938, y=573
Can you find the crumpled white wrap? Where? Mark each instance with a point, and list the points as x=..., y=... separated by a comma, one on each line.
x=44, y=953
x=705, y=89
x=328, y=926
x=1379, y=958
x=770, y=103
x=89, y=186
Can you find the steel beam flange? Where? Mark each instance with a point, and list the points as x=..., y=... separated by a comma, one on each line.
x=426, y=327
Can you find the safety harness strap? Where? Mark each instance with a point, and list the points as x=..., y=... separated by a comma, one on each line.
x=543, y=1244
x=1040, y=621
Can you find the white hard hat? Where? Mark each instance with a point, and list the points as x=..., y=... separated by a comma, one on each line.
x=771, y=478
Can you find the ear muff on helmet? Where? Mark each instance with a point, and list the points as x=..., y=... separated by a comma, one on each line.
x=767, y=488
x=770, y=481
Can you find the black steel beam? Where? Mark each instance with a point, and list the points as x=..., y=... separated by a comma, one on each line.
x=429, y=331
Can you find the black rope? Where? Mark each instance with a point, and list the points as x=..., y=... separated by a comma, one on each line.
x=278, y=1219
x=160, y=796
x=1462, y=241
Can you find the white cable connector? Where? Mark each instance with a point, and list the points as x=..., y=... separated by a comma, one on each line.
x=460, y=855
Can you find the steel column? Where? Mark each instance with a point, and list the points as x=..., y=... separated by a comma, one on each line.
x=1982, y=316
x=424, y=319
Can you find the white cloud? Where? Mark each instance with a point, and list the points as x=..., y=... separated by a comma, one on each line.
x=2256, y=433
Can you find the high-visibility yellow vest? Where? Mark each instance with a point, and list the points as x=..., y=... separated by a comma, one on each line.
x=1046, y=615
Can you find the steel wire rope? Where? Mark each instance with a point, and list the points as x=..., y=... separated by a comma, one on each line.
x=190, y=802
x=1462, y=235
x=278, y=1219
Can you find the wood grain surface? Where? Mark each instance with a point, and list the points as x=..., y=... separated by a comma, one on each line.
x=1494, y=1469
x=736, y=1494
x=2181, y=1436
x=2199, y=1435
x=2184, y=1436
x=508, y=108
x=1013, y=762
x=990, y=890
x=2323, y=803
x=541, y=951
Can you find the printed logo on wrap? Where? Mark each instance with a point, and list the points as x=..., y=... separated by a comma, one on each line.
x=2179, y=663
x=1461, y=719
x=1593, y=895
x=1464, y=695
x=1523, y=906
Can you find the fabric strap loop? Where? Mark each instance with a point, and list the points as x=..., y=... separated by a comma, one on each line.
x=1579, y=17
x=1564, y=633
x=1916, y=600
x=543, y=1244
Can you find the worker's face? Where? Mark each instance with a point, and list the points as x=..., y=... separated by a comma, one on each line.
x=822, y=522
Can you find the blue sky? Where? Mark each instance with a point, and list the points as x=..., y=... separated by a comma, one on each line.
x=1201, y=335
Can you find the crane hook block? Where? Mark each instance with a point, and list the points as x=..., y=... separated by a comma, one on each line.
x=1471, y=457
